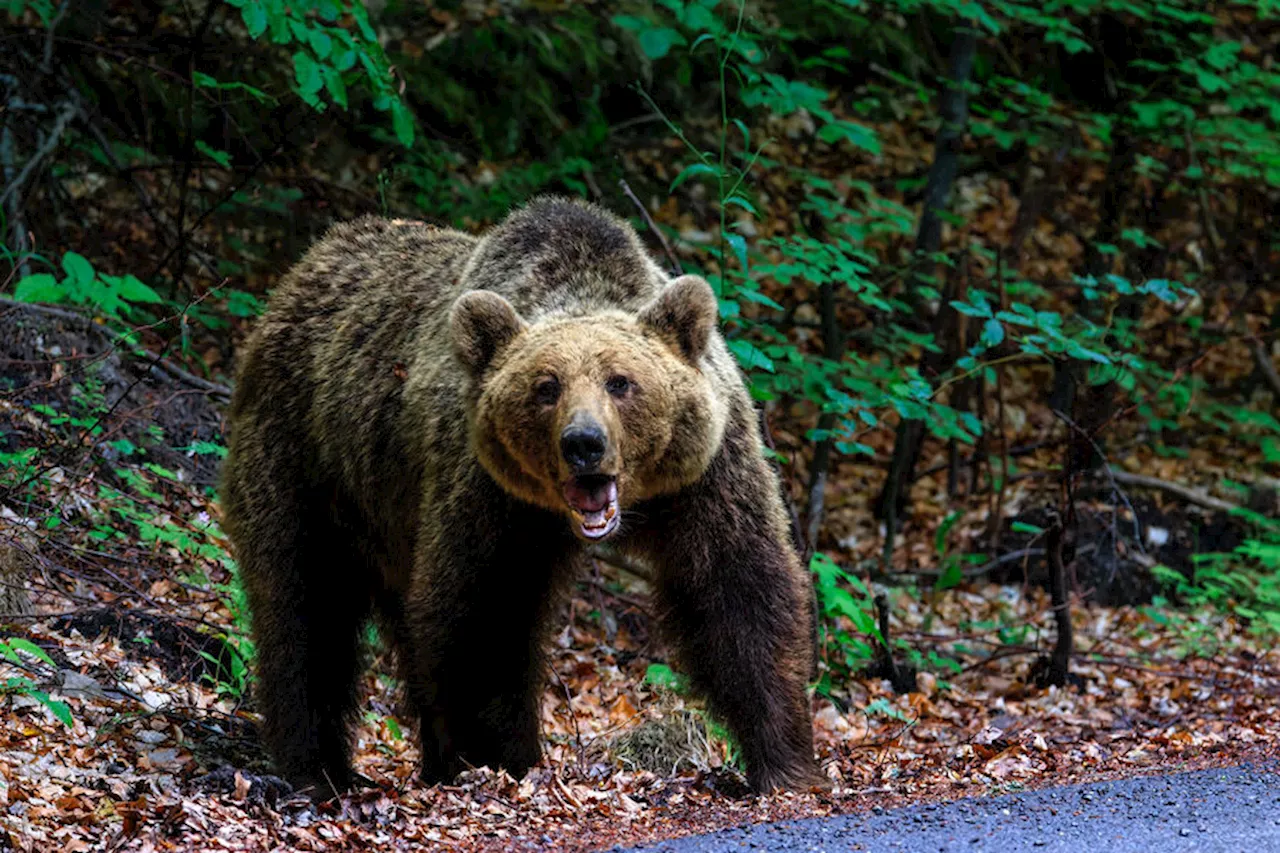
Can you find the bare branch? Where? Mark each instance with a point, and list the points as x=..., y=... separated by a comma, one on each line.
x=1186, y=493
x=676, y=269
x=66, y=111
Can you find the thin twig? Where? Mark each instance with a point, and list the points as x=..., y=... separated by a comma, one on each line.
x=676, y=269
x=995, y=563
x=1060, y=659
x=46, y=64
x=573, y=717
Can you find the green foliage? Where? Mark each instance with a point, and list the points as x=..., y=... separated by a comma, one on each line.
x=23, y=686
x=848, y=626
x=114, y=297
x=1244, y=583
x=665, y=678
x=426, y=177
x=332, y=45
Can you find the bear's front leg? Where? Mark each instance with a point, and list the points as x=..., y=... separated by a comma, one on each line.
x=487, y=575
x=737, y=604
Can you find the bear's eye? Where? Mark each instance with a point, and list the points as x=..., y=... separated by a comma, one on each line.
x=546, y=391
x=618, y=385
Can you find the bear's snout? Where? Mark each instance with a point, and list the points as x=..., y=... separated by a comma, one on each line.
x=583, y=446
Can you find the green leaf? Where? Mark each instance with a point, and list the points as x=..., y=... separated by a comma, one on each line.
x=222, y=158
x=78, y=269
x=61, y=710
x=402, y=121
x=320, y=43
x=700, y=18
x=132, y=289
x=361, y=16
x=759, y=298
x=344, y=58
x=255, y=18
x=1023, y=527
x=298, y=30
x=393, y=728
x=857, y=135
x=692, y=170
x=308, y=74
x=40, y=287
x=981, y=310
x=739, y=245
x=992, y=332
x=952, y=576
x=749, y=356
x=940, y=538
x=700, y=40
x=630, y=22
x=204, y=81
x=657, y=42
x=661, y=675
x=334, y=84
x=24, y=645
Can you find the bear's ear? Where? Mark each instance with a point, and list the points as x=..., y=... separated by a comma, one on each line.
x=684, y=314
x=482, y=323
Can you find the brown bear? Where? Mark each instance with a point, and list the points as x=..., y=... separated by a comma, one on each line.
x=429, y=429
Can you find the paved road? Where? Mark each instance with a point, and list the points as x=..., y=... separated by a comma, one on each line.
x=1209, y=811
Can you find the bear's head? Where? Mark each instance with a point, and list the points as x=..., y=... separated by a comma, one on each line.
x=587, y=415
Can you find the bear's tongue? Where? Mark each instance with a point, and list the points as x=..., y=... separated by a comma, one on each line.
x=594, y=501
x=590, y=494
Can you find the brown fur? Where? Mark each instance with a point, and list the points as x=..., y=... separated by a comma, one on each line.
x=389, y=459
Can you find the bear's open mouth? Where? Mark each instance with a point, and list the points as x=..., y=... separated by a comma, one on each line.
x=593, y=502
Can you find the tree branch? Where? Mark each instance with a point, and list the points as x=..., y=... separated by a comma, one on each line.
x=676, y=269
x=1186, y=493
x=66, y=111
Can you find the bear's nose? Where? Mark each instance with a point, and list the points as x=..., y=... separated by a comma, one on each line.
x=582, y=447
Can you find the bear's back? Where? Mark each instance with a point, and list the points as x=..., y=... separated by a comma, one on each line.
x=564, y=256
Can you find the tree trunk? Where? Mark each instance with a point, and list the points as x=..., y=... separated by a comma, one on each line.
x=1060, y=660
x=953, y=108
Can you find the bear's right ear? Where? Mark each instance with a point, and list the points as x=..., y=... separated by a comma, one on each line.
x=685, y=314
x=482, y=323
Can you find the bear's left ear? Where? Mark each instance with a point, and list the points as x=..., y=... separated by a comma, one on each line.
x=482, y=323
x=684, y=313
